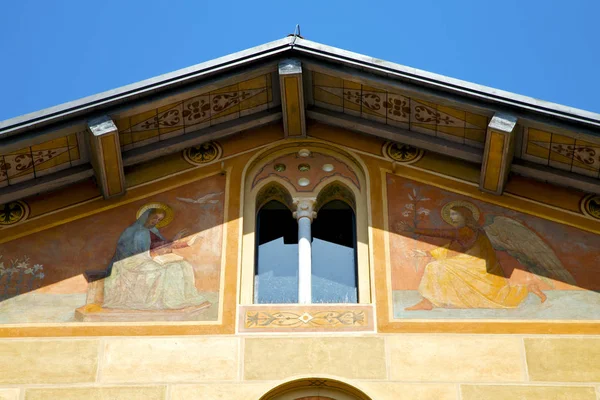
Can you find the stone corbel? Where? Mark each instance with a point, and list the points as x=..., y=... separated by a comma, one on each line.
x=292, y=98
x=498, y=153
x=106, y=156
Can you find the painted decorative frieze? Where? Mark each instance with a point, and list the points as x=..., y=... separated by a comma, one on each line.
x=197, y=112
x=41, y=159
x=395, y=109
x=303, y=318
x=562, y=152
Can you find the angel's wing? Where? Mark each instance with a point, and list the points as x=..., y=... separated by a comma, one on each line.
x=526, y=246
x=186, y=200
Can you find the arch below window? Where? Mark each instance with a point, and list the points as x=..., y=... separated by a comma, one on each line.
x=315, y=388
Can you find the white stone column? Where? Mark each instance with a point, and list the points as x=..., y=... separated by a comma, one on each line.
x=304, y=214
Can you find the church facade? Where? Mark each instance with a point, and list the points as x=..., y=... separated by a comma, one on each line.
x=295, y=221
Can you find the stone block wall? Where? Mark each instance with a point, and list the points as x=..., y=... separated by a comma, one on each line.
x=385, y=367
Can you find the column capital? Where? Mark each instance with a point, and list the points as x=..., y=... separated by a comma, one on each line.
x=305, y=207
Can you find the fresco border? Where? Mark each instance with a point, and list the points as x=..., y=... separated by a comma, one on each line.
x=388, y=324
x=225, y=323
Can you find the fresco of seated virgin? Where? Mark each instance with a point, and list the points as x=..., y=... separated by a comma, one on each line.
x=145, y=273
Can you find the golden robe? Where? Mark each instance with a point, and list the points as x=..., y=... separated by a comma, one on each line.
x=466, y=273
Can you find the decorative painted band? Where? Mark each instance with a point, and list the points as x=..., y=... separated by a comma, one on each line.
x=305, y=318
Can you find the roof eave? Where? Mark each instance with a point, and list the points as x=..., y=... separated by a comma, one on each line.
x=447, y=84
x=308, y=48
x=183, y=76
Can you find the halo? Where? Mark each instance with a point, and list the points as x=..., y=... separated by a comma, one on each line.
x=459, y=203
x=162, y=206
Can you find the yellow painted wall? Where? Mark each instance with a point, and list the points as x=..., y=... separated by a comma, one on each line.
x=383, y=366
x=397, y=360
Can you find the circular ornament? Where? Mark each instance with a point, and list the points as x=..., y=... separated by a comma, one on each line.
x=590, y=206
x=303, y=182
x=203, y=153
x=303, y=167
x=279, y=167
x=161, y=206
x=403, y=153
x=458, y=203
x=13, y=212
x=328, y=167
x=304, y=153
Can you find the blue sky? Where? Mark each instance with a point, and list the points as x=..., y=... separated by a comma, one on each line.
x=58, y=51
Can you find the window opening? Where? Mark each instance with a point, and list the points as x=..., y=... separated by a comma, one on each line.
x=276, y=272
x=334, y=267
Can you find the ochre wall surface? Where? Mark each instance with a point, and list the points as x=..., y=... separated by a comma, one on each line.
x=384, y=353
x=385, y=367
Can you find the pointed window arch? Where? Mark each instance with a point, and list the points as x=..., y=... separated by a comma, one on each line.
x=334, y=245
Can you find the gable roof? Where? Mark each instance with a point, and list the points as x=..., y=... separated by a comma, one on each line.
x=294, y=46
x=435, y=90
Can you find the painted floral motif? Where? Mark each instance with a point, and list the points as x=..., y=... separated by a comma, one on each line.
x=397, y=106
x=352, y=96
x=584, y=154
x=167, y=119
x=40, y=159
x=419, y=215
x=399, y=110
x=195, y=110
x=371, y=101
x=575, y=155
x=199, y=110
x=226, y=100
x=427, y=115
x=4, y=167
x=19, y=276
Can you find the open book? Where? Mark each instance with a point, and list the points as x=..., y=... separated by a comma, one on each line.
x=167, y=258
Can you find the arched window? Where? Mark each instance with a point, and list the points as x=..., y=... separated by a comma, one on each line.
x=305, y=235
x=276, y=266
x=334, y=274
